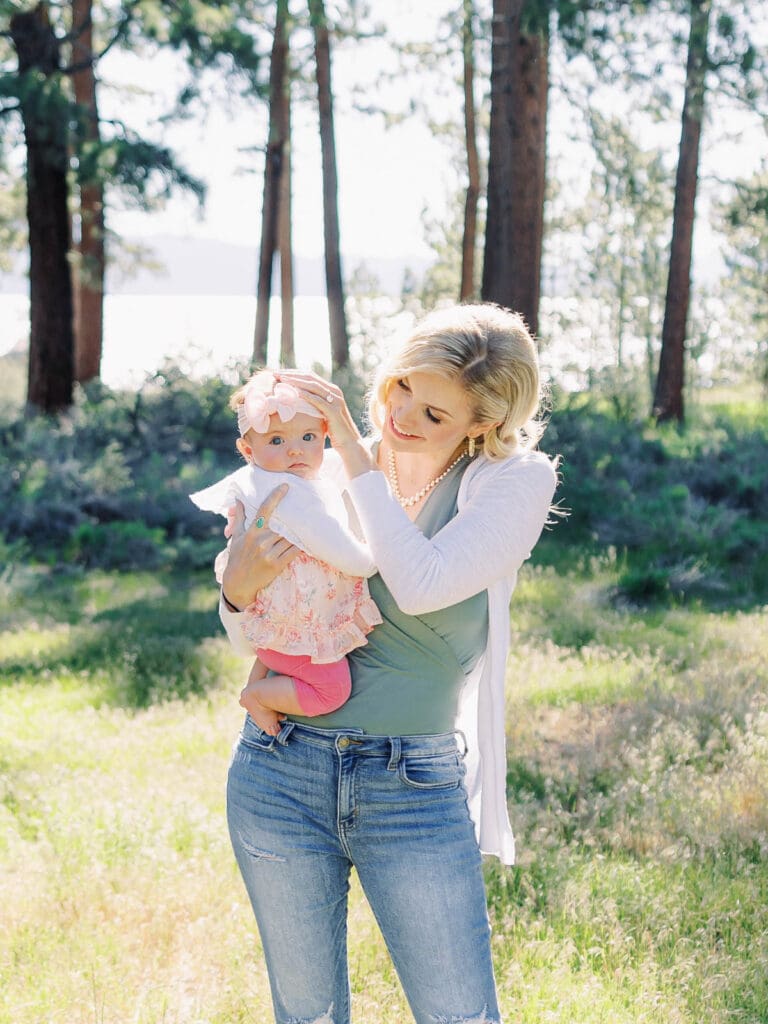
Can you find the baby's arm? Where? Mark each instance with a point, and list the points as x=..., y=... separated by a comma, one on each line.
x=304, y=519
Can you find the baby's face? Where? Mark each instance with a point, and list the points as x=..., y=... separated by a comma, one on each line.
x=293, y=447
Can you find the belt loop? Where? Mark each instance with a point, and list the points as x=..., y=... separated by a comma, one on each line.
x=465, y=751
x=285, y=731
x=394, y=757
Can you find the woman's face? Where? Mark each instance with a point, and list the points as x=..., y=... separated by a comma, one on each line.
x=427, y=413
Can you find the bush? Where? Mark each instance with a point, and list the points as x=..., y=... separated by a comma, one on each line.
x=119, y=545
x=685, y=506
x=108, y=483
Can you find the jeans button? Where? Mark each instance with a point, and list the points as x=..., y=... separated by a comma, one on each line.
x=343, y=742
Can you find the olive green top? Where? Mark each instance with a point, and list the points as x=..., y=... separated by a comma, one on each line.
x=406, y=679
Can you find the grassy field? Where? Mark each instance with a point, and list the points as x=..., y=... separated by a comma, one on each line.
x=638, y=749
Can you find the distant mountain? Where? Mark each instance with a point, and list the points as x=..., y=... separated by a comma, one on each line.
x=198, y=266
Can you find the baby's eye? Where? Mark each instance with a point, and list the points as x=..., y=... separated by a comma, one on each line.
x=276, y=440
x=308, y=437
x=403, y=383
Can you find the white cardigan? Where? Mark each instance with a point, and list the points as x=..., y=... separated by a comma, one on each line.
x=502, y=508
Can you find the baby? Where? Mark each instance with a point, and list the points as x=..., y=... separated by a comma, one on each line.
x=318, y=609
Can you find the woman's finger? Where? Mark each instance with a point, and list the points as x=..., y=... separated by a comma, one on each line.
x=284, y=551
x=268, y=506
x=322, y=391
x=280, y=554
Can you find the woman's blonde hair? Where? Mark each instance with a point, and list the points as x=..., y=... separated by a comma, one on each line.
x=489, y=351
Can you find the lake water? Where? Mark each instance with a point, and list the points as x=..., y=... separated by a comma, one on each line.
x=204, y=333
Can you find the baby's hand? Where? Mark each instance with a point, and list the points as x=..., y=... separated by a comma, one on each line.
x=232, y=514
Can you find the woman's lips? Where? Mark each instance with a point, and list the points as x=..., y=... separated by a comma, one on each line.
x=400, y=433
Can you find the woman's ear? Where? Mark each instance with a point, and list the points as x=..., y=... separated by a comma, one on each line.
x=481, y=428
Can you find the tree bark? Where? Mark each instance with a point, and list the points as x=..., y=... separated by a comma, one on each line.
x=517, y=161
x=668, y=402
x=89, y=279
x=273, y=170
x=469, y=237
x=51, y=341
x=284, y=235
x=334, y=282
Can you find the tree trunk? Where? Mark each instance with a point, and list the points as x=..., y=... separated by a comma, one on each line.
x=517, y=163
x=469, y=238
x=273, y=169
x=668, y=399
x=51, y=339
x=89, y=290
x=284, y=235
x=334, y=282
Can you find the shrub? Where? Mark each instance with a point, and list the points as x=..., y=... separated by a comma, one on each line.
x=687, y=507
x=684, y=509
x=107, y=484
x=118, y=545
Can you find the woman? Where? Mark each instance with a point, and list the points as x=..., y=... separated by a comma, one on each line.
x=451, y=499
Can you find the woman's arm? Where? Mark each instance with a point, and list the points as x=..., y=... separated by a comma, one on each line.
x=487, y=540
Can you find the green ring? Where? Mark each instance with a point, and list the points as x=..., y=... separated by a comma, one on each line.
x=260, y=522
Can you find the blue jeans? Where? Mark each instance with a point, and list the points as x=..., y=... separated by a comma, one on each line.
x=305, y=806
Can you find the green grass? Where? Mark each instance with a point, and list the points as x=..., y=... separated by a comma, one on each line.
x=638, y=781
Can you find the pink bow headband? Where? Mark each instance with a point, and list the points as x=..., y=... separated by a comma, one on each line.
x=258, y=405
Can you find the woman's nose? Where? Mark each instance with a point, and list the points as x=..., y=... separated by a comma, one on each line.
x=400, y=409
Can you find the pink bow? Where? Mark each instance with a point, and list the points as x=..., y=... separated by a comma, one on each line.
x=258, y=405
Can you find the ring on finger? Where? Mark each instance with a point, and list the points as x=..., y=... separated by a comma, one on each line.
x=260, y=523
x=329, y=398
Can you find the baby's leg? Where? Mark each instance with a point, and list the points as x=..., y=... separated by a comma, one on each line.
x=318, y=689
x=264, y=696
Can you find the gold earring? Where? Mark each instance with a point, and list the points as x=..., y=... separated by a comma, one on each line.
x=471, y=447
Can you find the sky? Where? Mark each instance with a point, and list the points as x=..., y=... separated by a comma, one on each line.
x=386, y=176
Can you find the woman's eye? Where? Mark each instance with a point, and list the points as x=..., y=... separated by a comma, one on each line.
x=431, y=417
x=402, y=383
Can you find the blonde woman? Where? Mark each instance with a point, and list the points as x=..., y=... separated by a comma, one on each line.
x=405, y=781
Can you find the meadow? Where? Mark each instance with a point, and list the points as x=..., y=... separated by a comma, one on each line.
x=637, y=725
x=638, y=785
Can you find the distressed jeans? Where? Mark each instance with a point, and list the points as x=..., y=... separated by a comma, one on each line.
x=307, y=805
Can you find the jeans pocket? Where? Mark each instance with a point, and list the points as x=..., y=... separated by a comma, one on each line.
x=255, y=738
x=432, y=771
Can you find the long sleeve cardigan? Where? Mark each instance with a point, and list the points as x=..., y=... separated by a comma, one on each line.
x=502, y=509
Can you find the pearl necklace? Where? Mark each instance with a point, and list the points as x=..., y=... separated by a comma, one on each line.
x=415, y=498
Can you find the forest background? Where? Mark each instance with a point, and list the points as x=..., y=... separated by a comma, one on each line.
x=637, y=716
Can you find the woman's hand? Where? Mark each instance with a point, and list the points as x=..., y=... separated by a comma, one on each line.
x=329, y=401
x=256, y=555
